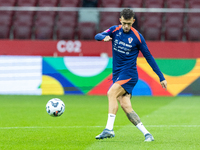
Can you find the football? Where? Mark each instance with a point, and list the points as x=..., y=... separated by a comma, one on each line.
x=55, y=107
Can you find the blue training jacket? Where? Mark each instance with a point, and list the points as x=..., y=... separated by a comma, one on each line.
x=125, y=49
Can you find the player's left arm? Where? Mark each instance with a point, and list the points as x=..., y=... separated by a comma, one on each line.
x=148, y=56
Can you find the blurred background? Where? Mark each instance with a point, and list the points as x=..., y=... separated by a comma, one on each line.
x=165, y=20
x=48, y=47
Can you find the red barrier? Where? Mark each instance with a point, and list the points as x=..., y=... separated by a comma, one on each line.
x=93, y=48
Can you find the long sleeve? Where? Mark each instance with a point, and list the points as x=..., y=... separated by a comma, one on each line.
x=146, y=53
x=100, y=36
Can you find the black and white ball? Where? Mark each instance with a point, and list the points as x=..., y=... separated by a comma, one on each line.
x=55, y=107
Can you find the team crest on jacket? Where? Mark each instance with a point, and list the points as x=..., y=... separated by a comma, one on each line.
x=130, y=40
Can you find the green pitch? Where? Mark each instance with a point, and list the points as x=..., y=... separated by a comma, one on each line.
x=25, y=125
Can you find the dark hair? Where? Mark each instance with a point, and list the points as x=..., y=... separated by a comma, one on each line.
x=127, y=14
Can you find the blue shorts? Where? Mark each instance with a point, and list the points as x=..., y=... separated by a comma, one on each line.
x=126, y=81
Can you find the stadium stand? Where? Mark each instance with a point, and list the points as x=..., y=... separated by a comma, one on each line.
x=65, y=24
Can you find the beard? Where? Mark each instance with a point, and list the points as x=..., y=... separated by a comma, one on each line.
x=126, y=30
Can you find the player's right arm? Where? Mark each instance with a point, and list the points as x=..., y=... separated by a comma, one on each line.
x=104, y=36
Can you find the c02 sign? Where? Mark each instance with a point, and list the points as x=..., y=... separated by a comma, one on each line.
x=69, y=46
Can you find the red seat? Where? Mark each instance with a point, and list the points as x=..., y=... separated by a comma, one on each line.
x=65, y=30
x=193, y=27
x=132, y=3
x=194, y=3
x=68, y=16
x=25, y=17
x=27, y=2
x=152, y=33
x=173, y=33
x=4, y=32
x=154, y=3
x=45, y=19
x=87, y=30
x=175, y=3
x=192, y=34
x=43, y=32
x=48, y=3
x=153, y=20
x=108, y=19
x=5, y=19
x=22, y=31
x=175, y=19
x=44, y=14
x=111, y=3
x=193, y=19
x=69, y=3
x=7, y=2
x=44, y=22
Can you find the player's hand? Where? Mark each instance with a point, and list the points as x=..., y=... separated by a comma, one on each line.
x=164, y=84
x=107, y=39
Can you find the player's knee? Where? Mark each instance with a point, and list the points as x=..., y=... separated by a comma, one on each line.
x=125, y=106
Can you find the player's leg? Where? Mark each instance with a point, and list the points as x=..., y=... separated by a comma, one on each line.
x=113, y=93
x=125, y=103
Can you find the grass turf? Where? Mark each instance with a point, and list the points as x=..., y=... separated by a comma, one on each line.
x=25, y=125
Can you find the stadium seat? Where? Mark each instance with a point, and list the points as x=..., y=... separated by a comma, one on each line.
x=25, y=17
x=68, y=16
x=7, y=2
x=194, y=4
x=22, y=30
x=152, y=33
x=5, y=18
x=175, y=19
x=132, y=3
x=43, y=32
x=46, y=14
x=173, y=33
x=111, y=3
x=27, y=2
x=175, y=3
x=154, y=3
x=45, y=18
x=108, y=19
x=4, y=32
x=69, y=3
x=48, y=3
x=86, y=30
x=193, y=19
x=152, y=19
x=65, y=30
x=44, y=22
x=193, y=27
x=192, y=34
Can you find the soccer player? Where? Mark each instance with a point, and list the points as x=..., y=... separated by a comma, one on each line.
x=126, y=43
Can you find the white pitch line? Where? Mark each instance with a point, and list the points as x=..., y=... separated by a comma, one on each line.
x=151, y=126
